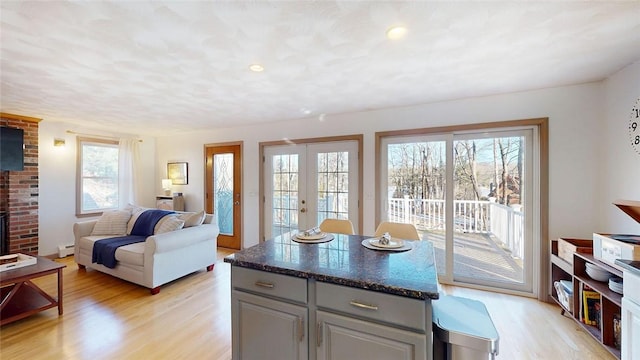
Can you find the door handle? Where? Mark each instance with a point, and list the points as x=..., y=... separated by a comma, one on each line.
x=237, y=203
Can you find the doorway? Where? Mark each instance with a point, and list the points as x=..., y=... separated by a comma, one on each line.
x=224, y=191
x=305, y=183
x=474, y=192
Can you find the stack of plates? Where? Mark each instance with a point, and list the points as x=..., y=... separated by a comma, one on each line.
x=615, y=284
x=597, y=273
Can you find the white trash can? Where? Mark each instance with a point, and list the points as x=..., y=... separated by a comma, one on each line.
x=463, y=330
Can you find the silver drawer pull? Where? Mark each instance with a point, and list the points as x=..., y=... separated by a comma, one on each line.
x=265, y=284
x=363, y=306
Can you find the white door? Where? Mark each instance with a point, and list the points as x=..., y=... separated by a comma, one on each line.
x=305, y=184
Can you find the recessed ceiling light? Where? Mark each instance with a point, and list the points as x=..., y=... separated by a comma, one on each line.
x=396, y=32
x=256, y=68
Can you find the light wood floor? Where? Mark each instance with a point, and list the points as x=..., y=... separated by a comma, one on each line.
x=107, y=318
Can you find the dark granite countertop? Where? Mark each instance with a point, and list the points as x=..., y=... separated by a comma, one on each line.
x=344, y=261
x=630, y=265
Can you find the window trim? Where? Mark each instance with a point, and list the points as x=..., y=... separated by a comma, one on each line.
x=80, y=141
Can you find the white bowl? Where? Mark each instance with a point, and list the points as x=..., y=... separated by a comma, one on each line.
x=598, y=275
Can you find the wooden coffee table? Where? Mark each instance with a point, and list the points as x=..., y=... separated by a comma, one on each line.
x=22, y=298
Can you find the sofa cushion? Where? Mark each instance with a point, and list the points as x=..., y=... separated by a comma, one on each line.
x=168, y=223
x=135, y=213
x=112, y=223
x=132, y=254
x=193, y=219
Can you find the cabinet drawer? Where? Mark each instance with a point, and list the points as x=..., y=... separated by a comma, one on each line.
x=373, y=305
x=164, y=204
x=262, y=282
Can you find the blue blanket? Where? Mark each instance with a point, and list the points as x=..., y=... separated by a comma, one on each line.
x=104, y=251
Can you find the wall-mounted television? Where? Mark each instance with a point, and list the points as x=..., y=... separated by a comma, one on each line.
x=11, y=149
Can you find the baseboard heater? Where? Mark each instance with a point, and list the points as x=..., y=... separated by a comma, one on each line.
x=65, y=250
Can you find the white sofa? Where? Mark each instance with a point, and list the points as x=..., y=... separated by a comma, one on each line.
x=161, y=258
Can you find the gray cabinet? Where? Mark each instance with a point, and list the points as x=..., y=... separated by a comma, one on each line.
x=344, y=337
x=277, y=317
x=362, y=324
x=268, y=329
x=269, y=316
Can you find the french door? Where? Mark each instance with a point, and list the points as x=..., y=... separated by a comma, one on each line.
x=471, y=193
x=224, y=191
x=307, y=183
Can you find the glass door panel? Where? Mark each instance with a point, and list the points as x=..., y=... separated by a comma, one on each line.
x=333, y=186
x=223, y=190
x=282, y=194
x=417, y=190
x=490, y=191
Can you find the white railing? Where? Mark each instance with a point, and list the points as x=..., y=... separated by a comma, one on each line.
x=507, y=224
x=485, y=217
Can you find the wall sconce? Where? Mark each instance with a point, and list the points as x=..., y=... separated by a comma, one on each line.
x=166, y=186
x=58, y=142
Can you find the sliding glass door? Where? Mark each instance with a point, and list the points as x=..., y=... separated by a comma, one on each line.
x=471, y=194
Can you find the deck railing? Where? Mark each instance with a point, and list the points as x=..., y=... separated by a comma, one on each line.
x=485, y=217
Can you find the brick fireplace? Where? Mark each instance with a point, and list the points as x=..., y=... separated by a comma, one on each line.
x=19, y=191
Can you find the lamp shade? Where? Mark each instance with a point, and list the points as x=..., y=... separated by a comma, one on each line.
x=166, y=184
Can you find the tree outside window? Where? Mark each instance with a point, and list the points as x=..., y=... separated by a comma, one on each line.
x=97, y=184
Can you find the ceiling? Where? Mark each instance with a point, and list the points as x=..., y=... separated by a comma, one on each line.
x=161, y=67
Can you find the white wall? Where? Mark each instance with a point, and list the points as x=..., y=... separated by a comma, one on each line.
x=574, y=114
x=57, y=188
x=620, y=175
x=591, y=162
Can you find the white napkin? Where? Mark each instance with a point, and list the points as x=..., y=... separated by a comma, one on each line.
x=384, y=239
x=312, y=231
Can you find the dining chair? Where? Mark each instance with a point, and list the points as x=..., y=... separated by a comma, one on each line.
x=398, y=230
x=337, y=226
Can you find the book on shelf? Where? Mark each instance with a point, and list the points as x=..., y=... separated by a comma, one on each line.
x=591, y=307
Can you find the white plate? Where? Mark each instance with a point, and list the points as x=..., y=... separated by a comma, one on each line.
x=393, y=243
x=326, y=238
x=406, y=247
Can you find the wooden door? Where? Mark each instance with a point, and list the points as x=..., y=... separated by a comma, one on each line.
x=224, y=191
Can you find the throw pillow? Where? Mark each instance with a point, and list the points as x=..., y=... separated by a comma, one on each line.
x=194, y=219
x=112, y=223
x=135, y=213
x=168, y=223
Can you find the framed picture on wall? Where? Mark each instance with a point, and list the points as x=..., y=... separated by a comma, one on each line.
x=178, y=172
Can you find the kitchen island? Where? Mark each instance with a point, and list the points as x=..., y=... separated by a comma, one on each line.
x=336, y=299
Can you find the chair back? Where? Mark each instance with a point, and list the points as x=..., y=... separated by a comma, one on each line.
x=398, y=230
x=337, y=226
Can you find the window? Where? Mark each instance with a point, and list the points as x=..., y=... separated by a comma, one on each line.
x=97, y=176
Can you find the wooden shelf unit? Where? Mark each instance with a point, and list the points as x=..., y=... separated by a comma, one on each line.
x=610, y=302
x=560, y=270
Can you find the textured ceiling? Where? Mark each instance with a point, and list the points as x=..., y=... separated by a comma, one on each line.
x=164, y=66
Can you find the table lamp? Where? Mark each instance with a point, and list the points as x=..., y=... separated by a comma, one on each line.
x=166, y=186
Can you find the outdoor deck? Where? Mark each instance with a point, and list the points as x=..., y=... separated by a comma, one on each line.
x=477, y=256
